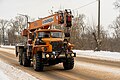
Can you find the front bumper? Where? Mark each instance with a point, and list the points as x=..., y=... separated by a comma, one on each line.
x=54, y=55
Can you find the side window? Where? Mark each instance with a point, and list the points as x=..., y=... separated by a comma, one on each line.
x=40, y=34
x=43, y=34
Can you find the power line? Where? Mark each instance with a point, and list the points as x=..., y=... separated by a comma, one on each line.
x=85, y=5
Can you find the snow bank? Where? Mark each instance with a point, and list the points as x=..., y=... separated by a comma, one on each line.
x=3, y=76
x=104, y=55
x=14, y=73
x=5, y=46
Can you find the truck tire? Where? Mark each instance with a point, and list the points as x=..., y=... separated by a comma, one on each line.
x=20, y=60
x=37, y=64
x=20, y=57
x=25, y=61
x=68, y=63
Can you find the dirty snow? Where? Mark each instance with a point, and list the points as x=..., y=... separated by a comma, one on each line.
x=3, y=76
x=7, y=46
x=8, y=72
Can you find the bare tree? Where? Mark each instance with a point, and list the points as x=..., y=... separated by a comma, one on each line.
x=115, y=40
x=77, y=31
x=20, y=22
x=82, y=34
x=117, y=4
x=16, y=26
x=11, y=31
x=116, y=27
x=3, y=25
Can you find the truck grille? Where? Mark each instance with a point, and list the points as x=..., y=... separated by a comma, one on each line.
x=57, y=46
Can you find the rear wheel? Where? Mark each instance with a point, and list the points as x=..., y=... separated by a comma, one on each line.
x=37, y=62
x=26, y=62
x=69, y=63
x=20, y=57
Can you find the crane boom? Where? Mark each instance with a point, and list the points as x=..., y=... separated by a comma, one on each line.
x=44, y=23
x=60, y=17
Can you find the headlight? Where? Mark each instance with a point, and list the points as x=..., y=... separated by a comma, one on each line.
x=53, y=52
x=47, y=55
x=72, y=54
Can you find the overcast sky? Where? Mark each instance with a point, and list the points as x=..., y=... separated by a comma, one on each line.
x=40, y=8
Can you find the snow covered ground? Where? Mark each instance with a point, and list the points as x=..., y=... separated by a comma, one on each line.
x=8, y=72
x=3, y=76
x=5, y=70
x=7, y=46
x=103, y=55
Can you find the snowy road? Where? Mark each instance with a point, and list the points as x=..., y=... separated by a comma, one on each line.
x=85, y=68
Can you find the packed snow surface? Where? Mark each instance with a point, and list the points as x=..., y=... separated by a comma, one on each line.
x=7, y=46
x=3, y=76
x=8, y=72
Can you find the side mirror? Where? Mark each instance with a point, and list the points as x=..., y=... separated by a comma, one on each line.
x=24, y=32
x=67, y=34
x=30, y=35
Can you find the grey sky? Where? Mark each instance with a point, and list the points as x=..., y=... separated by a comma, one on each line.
x=40, y=8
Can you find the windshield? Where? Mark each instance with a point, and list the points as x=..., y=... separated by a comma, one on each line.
x=43, y=34
x=47, y=34
x=56, y=34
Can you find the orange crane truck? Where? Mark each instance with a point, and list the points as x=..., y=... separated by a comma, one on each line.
x=46, y=45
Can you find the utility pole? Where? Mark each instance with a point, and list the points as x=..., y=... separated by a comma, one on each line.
x=98, y=40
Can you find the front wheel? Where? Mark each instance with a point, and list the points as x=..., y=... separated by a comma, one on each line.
x=37, y=62
x=68, y=63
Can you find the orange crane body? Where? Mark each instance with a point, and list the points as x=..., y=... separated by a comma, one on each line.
x=45, y=46
x=44, y=23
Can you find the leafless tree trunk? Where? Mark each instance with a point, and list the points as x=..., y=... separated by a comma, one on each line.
x=3, y=25
x=16, y=26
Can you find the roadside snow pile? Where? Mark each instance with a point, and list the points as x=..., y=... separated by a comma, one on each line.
x=8, y=50
x=5, y=46
x=104, y=55
x=14, y=73
x=3, y=76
